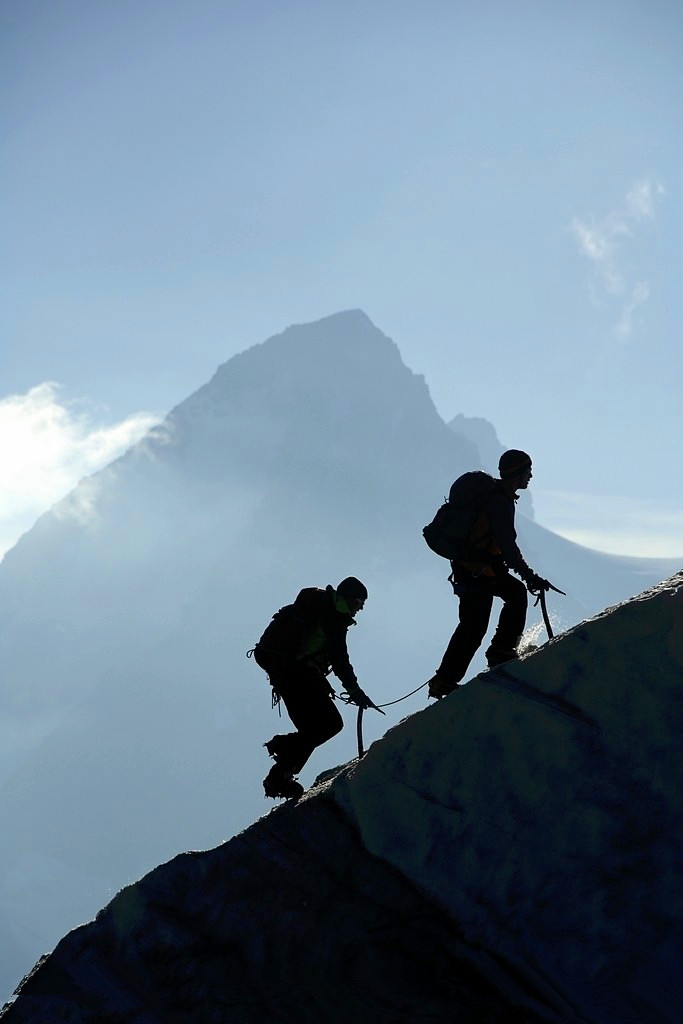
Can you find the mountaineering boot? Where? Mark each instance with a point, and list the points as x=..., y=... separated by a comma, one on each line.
x=496, y=655
x=439, y=687
x=285, y=749
x=276, y=747
x=281, y=783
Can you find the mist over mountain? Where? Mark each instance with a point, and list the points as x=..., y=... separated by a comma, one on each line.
x=510, y=854
x=131, y=723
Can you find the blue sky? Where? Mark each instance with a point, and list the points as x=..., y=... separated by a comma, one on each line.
x=497, y=185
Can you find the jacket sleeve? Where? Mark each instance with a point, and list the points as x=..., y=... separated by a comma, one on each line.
x=501, y=513
x=339, y=655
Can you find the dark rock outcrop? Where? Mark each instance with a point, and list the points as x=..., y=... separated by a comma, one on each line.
x=513, y=853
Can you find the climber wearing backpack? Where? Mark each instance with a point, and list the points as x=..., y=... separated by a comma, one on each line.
x=475, y=529
x=304, y=642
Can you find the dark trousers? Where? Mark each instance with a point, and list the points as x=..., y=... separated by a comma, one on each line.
x=476, y=599
x=307, y=695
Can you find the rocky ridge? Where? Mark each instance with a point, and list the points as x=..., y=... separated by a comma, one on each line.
x=512, y=853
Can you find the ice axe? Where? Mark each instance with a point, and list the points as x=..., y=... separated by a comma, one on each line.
x=359, y=726
x=540, y=597
x=359, y=720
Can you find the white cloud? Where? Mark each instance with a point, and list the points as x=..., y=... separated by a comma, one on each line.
x=602, y=242
x=46, y=447
x=597, y=242
x=617, y=525
x=640, y=200
x=639, y=295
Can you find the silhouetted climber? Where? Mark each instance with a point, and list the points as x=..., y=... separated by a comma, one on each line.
x=304, y=643
x=484, y=552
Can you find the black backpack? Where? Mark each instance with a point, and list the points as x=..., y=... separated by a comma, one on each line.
x=449, y=530
x=282, y=639
x=287, y=636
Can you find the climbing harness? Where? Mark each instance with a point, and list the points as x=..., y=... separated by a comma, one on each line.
x=275, y=696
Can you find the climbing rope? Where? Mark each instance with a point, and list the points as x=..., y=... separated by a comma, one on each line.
x=378, y=707
x=540, y=599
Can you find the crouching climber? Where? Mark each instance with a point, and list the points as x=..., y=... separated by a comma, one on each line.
x=304, y=642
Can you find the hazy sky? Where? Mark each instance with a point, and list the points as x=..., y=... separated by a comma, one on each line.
x=496, y=184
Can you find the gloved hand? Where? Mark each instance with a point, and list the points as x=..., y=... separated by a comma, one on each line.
x=359, y=697
x=535, y=583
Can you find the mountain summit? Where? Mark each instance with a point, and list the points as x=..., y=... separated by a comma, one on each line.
x=510, y=854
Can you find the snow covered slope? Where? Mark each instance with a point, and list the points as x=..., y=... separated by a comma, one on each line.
x=512, y=853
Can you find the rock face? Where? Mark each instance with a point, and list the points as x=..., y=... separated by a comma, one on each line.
x=512, y=853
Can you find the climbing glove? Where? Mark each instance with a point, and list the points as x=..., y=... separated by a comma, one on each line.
x=535, y=583
x=359, y=697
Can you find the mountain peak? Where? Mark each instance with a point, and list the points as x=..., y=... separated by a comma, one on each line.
x=338, y=341
x=333, y=389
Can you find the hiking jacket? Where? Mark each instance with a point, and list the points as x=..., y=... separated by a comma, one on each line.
x=492, y=543
x=312, y=630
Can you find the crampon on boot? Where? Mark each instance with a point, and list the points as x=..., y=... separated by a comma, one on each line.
x=281, y=783
x=499, y=655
